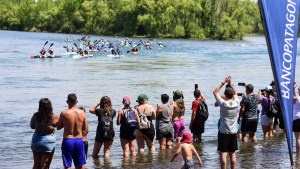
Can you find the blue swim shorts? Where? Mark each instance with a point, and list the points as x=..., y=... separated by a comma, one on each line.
x=73, y=148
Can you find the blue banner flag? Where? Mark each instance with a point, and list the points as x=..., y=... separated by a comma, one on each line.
x=280, y=21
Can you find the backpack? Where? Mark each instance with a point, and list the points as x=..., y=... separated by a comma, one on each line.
x=144, y=122
x=202, y=111
x=130, y=117
x=272, y=110
x=107, y=127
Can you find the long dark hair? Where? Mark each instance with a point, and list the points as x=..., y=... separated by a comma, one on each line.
x=45, y=111
x=105, y=103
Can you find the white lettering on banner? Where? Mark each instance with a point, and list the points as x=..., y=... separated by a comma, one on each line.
x=287, y=56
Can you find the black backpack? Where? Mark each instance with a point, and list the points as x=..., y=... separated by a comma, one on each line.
x=202, y=111
x=272, y=110
x=107, y=127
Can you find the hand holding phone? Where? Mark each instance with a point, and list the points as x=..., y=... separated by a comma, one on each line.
x=242, y=84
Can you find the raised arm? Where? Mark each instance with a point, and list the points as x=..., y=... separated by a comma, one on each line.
x=93, y=108
x=216, y=91
x=235, y=96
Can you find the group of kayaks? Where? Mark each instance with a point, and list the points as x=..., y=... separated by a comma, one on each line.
x=87, y=48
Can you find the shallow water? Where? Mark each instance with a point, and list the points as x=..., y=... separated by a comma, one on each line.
x=180, y=65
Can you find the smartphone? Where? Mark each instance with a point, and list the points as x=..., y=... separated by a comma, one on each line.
x=196, y=86
x=240, y=94
x=242, y=84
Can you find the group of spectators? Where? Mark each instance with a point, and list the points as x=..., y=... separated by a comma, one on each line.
x=137, y=128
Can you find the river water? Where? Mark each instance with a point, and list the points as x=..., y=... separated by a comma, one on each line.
x=180, y=65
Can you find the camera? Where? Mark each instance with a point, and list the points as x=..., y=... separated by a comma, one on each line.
x=196, y=86
x=240, y=94
x=242, y=84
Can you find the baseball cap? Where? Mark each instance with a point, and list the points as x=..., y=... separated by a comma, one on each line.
x=142, y=97
x=126, y=99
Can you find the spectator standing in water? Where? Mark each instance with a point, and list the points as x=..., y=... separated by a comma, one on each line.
x=84, y=134
x=196, y=124
x=248, y=112
x=73, y=121
x=229, y=113
x=145, y=133
x=43, y=139
x=105, y=133
x=296, y=117
x=187, y=150
x=266, y=101
x=178, y=113
x=128, y=121
x=164, y=127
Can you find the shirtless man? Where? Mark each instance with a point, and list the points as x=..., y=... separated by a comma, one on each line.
x=187, y=151
x=73, y=120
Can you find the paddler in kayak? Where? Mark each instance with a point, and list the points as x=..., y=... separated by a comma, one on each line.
x=50, y=51
x=43, y=52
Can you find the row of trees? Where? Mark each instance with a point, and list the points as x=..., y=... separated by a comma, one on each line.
x=200, y=19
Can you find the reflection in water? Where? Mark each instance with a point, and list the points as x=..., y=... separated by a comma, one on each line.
x=128, y=162
x=99, y=164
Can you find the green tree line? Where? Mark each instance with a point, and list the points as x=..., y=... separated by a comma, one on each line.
x=198, y=19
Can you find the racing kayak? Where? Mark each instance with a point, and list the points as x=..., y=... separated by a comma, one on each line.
x=44, y=56
x=115, y=56
x=96, y=51
x=134, y=53
x=80, y=56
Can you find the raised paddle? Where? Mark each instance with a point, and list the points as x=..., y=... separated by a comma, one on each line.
x=45, y=44
x=50, y=46
x=133, y=47
x=76, y=45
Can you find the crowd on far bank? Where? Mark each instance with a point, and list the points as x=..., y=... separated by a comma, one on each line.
x=238, y=120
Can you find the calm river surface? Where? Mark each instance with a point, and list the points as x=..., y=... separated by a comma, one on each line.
x=180, y=65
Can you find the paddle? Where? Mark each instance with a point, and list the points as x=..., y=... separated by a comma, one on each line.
x=133, y=47
x=50, y=46
x=45, y=44
x=76, y=45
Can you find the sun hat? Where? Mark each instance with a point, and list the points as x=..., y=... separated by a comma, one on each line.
x=186, y=138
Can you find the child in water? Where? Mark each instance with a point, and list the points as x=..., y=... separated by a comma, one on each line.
x=187, y=151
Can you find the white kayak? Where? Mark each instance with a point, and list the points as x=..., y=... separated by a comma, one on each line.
x=115, y=56
x=80, y=56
